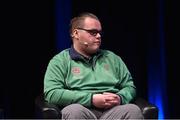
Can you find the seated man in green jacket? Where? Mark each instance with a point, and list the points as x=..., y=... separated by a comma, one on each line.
x=90, y=83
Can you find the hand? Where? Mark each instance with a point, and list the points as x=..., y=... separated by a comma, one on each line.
x=105, y=100
x=112, y=99
x=99, y=101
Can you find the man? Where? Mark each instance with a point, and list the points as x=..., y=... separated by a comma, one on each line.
x=88, y=82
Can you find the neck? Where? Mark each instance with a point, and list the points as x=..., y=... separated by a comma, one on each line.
x=82, y=52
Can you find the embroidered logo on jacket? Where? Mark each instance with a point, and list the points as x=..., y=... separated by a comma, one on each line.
x=76, y=70
x=106, y=67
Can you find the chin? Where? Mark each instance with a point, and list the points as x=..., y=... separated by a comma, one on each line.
x=94, y=50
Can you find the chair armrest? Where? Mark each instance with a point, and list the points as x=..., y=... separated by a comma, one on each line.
x=1, y=113
x=149, y=111
x=46, y=110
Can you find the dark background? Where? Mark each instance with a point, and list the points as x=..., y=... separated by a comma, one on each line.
x=130, y=29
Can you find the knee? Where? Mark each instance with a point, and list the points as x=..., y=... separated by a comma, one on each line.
x=72, y=109
x=75, y=111
x=134, y=110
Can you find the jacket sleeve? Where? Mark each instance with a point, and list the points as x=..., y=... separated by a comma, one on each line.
x=55, y=90
x=127, y=89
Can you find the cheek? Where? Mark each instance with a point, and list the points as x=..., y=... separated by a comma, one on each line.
x=91, y=40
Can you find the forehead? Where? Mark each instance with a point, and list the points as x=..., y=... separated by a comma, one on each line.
x=92, y=23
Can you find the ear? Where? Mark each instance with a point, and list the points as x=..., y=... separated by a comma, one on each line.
x=75, y=34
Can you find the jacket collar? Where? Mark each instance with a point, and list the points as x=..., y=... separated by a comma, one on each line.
x=76, y=56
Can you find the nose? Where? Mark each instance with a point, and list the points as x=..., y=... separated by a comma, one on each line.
x=98, y=35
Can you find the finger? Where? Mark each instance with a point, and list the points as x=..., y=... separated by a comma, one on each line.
x=110, y=94
x=113, y=102
x=107, y=105
x=110, y=97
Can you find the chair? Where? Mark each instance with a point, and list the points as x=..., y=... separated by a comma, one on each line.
x=50, y=111
x=1, y=113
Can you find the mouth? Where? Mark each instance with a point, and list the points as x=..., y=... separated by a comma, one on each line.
x=98, y=42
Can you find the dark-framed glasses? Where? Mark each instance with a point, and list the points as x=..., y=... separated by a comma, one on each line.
x=93, y=32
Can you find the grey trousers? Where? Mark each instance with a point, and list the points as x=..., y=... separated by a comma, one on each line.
x=77, y=111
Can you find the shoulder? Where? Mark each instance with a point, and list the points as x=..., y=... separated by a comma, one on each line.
x=110, y=53
x=64, y=53
x=112, y=56
x=61, y=56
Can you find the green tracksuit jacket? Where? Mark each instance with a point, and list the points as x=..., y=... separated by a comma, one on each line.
x=71, y=78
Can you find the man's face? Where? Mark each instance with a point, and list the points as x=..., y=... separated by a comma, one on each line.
x=89, y=36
